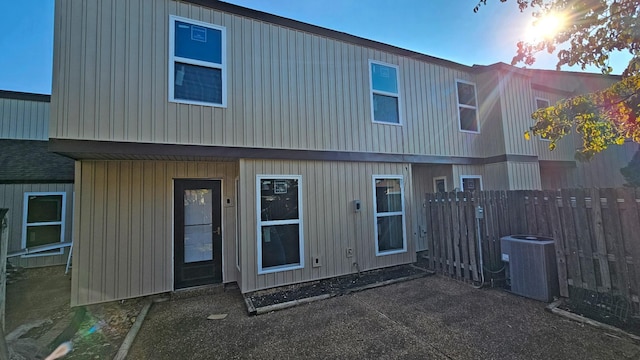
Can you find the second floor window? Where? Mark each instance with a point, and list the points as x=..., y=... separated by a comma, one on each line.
x=467, y=106
x=385, y=93
x=541, y=104
x=197, y=65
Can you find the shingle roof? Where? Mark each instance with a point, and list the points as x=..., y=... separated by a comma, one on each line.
x=24, y=161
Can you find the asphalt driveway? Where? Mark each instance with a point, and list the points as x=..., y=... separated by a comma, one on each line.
x=428, y=318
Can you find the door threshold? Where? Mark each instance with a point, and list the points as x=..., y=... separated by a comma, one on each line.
x=211, y=289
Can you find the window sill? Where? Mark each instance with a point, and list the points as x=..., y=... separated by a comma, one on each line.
x=386, y=123
x=469, y=132
x=36, y=255
x=391, y=252
x=201, y=103
x=280, y=268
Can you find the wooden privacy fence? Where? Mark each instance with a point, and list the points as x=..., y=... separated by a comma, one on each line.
x=596, y=233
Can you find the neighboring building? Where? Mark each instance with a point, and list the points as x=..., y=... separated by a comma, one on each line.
x=216, y=143
x=35, y=184
x=558, y=168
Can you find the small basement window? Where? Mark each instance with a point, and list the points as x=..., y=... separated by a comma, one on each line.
x=43, y=221
x=385, y=92
x=467, y=106
x=389, y=215
x=197, y=62
x=280, y=236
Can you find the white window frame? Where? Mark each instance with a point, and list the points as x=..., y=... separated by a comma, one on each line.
x=260, y=224
x=435, y=180
x=376, y=215
x=475, y=95
x=372, y=92
x=536, y=107
x=173, y=59
x=25, y=213
x=462, y=177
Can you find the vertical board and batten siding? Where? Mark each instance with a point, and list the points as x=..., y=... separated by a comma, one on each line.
x=286, y=88
x=566, y=147
x=490, y=111
x=556, y=177
x=603, y=170
x=524, y=175
x=329, y=223
x=496, y=176
x=12, y=198
x=24, y=119
x=460, y=170
x=517, y=106
x=509, y=175
x=123, y=233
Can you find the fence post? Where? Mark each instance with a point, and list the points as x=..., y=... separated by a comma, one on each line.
x=601, y=244
x=4, y=243
x=555, y=227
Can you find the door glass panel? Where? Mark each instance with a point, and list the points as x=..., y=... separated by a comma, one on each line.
x=198, y=228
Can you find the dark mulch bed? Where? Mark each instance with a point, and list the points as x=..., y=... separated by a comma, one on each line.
x=334, y=286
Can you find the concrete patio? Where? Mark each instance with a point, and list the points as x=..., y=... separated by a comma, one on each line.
x=427, y=318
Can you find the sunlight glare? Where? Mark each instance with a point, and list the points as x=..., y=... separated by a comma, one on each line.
x=544, y=28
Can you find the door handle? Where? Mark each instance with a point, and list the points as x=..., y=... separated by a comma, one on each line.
x=218, y=231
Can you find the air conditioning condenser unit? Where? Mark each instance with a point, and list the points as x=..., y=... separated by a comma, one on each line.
x=531, y=266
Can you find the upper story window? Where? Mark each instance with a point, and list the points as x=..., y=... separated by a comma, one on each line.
x=541, y=104
x=197, y=62
x=385, y=92
x=467, y=106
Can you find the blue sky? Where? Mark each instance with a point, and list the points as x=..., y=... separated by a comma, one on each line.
x=447, y=29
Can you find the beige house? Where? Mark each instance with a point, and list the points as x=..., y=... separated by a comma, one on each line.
x=215, y=143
